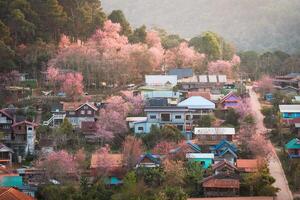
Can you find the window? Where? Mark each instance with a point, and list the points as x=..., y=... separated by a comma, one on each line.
x=152, y=116
x=19, y=127
x=165, y=117
x=196, y=117
x=85, y=107
x=6, y=126
x=141, y=128
x=177, y=116
x=202, y=163
x=89, y=112
x=180, y=127
x=29, y=129
x=188, y=117
x=71, y=113
x=82, y=112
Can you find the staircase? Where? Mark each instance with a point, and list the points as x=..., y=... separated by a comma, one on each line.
x=46, y=123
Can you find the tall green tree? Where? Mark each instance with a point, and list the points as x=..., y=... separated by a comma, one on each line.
x=138, y=35
x=117, y=16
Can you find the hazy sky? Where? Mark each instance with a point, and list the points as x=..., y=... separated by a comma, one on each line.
x=250, y=24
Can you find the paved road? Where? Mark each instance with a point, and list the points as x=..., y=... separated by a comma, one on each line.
x=274, y=162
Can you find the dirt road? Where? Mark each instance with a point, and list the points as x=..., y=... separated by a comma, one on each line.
x=274, y=162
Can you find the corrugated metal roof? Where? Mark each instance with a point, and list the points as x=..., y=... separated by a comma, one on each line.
x=293, y=108
x=181, y=72
x=214, y=131
x=200, y=155
x=197, y=102
x=161, y=80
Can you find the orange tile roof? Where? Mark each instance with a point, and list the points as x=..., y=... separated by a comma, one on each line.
x=247, y=165
x=114, y=159
x=221, y=183
x=233, y=198
x=13, y=194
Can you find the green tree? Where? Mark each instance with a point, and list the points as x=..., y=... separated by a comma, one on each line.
x=259, y=183
x=132, y=189
x=138, y=35
x=153, y=177
x=152, y=138
x=51, y=19
x=205, y=121
x=117, y=16
x=171, y=193
x=171, y=133
x=66, y=127
x=194, y=175
x=232, y=117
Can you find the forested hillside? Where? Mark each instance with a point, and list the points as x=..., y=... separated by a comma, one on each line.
x=260, y=25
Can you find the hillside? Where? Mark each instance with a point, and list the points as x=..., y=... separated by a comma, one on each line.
x=252, y=25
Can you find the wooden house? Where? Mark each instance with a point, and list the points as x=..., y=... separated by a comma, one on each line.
x=5, y=155
x=224, y=167
x=10, y=193
x=149, y=160
x=293, y=148
x=221, y=185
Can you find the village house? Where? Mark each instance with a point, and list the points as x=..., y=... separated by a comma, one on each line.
x=6, y=121
x=288, y=84
x=203, y=82
x=289, y=112
x=293, y=148
x=114, y=173
x=160, y=86
x=247, y=165
x=75, y=112
x=160, y=116
x=5, y=155
x=10, y=193
x=89, y=129
x=149, y=160
x=23, y=138
x=221, y=185
x=212, y=136
x=230, y=100
x=205, y=160
x=225, y=151
x=224, y=167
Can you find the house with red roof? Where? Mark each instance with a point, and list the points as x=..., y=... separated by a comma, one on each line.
x=9, y=193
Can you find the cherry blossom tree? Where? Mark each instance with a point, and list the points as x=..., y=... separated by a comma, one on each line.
x=79, y=158
x=72, y=84
x=117, y=104
x=265, y=84
x=132, y=150
x=64, y=41
x=183, y=56
x=135, y=103
x=220, y=67
x=164, y=147
x=58, y=165
x=103, y=160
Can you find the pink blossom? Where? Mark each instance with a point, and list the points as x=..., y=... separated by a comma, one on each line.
x=220, y=67
x=183, y=56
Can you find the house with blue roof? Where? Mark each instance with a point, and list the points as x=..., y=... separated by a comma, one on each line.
x=149, y=160
x=226, y=154
x=293, y=148
x=221, y=146
x=187, y=147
